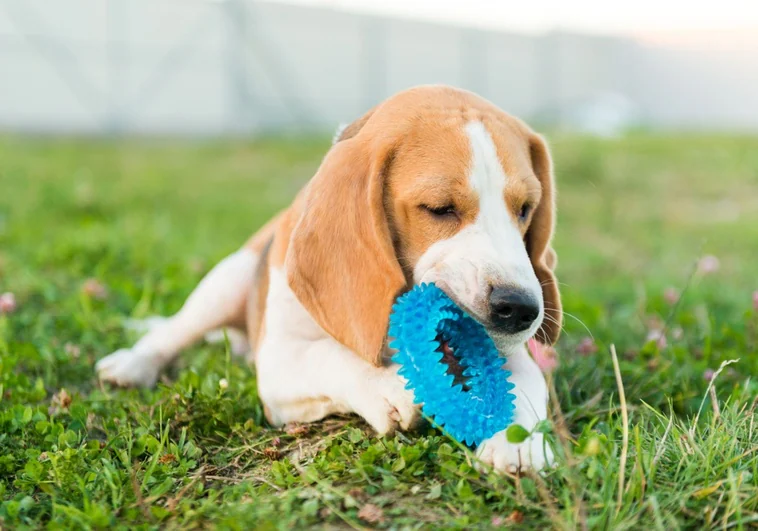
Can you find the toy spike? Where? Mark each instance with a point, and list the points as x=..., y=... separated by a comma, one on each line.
x=470, y=416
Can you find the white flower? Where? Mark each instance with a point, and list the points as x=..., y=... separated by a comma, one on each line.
x=658, y=336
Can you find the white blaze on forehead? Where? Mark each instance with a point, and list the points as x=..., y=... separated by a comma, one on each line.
x=488, y=180
x=486, y=174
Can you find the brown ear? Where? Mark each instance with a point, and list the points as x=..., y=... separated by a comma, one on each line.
x=354, y=128
x=538, y=239
x=341, y=262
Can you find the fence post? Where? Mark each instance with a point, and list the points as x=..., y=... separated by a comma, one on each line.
x=237, y=72
x=373, y=67
x=117, y=43
x=474, y=59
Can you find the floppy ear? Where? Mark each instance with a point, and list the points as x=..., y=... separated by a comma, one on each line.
x=341, y=262
x=538, y=238
x=349, y=131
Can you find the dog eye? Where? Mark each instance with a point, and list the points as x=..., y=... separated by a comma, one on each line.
x=526, y=208
x=441, y=212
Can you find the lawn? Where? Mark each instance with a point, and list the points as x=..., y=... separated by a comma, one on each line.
x=657, y=237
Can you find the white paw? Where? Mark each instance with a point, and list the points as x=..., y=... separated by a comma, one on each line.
x=532, y=454
x=385, y=403
x=128, y=368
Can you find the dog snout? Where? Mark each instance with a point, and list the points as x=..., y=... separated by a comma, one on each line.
x=513, y=310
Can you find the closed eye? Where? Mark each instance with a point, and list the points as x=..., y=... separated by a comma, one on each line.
x=442, y=211
x=526, y=209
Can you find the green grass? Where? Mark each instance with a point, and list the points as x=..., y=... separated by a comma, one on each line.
x=148, y=218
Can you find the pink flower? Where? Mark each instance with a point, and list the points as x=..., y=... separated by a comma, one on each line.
x=95, y=289
x=708, y=264
x=586, y=346
x=8, y=303
x=708, y=374
x=755, y=300
x=671, y=296
x=658, y=336
x=545, y=356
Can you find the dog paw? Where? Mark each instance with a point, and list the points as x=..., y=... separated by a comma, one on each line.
x=532, y=454
x=128, y=368
x=385, y=403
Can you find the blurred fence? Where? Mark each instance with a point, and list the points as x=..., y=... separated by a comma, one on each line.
x=240, y=66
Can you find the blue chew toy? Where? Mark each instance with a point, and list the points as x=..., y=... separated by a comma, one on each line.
x=419, y=318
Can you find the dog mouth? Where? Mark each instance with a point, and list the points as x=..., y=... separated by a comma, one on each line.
x=452, y=360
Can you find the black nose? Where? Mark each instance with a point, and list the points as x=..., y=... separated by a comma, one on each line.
x=513, y=310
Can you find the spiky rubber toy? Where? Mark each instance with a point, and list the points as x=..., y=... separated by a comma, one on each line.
x=419, y=319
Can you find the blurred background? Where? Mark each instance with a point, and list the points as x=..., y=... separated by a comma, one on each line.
x=236, y=67
x=141, y=141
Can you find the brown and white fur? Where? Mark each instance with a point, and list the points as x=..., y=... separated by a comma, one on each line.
x=433, y=185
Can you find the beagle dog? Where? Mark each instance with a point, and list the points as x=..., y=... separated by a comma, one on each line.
x=433, y=185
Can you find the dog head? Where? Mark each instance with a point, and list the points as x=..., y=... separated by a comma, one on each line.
x=433, y=185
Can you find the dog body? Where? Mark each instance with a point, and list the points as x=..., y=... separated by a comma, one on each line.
x=433, y=185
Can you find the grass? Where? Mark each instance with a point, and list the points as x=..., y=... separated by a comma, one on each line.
x=92, y=232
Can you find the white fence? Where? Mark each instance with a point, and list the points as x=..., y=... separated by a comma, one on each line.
x=202, y=67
